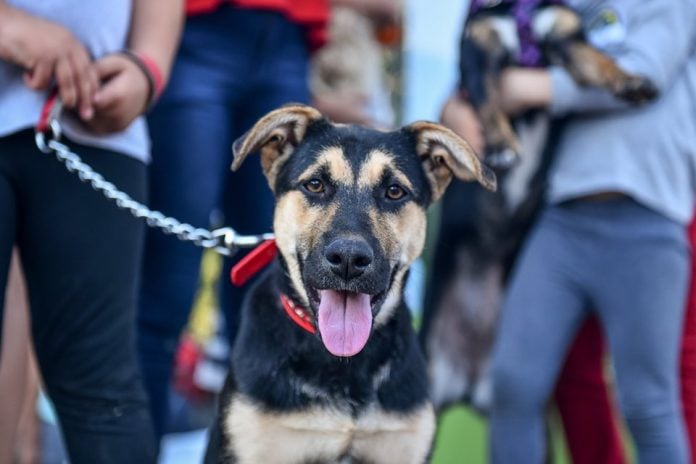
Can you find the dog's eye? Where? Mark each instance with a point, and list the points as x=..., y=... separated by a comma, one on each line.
x=314, y=186
x=394, y=192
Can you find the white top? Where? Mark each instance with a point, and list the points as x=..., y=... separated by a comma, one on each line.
x=103, y=27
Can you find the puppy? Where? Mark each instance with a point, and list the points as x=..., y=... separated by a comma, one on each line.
x=531, y=33
x=480, y=232
x=326, y=367
x=478, y=238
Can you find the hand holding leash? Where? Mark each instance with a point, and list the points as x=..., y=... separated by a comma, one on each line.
x=225, y=241
x=48, y=51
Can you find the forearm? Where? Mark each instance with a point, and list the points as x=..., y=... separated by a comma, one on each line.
x=7, y=15
x=155, y=30
x=568, y=96
x=660, y=37
x=373, y=8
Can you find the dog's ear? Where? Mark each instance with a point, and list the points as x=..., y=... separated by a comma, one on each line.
x=275, y=135
x=443, y=154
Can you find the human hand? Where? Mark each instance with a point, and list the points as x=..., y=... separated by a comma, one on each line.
x=48, y=51
x=346, y=107
x=460, y=116
x=123, y=96
x=382, y=10
x=522, y=89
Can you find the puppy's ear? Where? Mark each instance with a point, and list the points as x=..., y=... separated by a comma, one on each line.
x=443, y=154
x=275, y=136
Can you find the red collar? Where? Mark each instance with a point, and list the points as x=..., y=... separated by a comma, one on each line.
x=256, y=260
x=299, y=315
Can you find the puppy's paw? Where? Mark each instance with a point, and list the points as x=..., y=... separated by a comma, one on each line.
x=501, y=158
x=635, y=89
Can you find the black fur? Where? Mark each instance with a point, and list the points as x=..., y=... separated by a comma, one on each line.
x=273, y=358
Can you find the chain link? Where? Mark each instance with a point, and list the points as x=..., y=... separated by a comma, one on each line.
x=225, y=240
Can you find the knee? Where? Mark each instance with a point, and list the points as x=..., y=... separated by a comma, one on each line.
x=516, y=388
x=647, y=394
x=638, y=407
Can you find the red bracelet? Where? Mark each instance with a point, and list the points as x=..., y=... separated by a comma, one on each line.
x=152, y=73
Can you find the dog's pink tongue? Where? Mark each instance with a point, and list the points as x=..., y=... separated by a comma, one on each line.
x=345, y=320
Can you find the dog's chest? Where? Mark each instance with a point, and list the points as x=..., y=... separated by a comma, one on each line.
x=325, y=434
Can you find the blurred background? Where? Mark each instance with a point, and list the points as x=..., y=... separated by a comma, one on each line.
x=403, y=72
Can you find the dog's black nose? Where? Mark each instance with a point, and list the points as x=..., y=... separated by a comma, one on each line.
x=348, y=258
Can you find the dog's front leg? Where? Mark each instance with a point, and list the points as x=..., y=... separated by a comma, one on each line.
x=560, y=31
x=484, y=51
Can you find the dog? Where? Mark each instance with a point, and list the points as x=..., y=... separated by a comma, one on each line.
x=478, y=238
x=501, y=33
x=326, y=366
x=480, y=232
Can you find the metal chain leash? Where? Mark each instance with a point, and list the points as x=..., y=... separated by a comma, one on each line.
x=225, y=241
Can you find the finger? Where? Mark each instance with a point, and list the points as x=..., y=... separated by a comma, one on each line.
x=65, y=76
x=86, y=88
x=109, y=66
x=39, y=78
x=107, y=69
x=108, y=96
x=97, y=125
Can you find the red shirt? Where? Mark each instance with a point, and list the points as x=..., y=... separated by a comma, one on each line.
x=312, y=14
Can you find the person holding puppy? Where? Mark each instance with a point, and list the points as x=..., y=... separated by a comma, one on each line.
x=611, y=240
x=81, y=254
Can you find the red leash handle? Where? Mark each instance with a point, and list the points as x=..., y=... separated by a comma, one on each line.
x=49, y=114
x=252, y=263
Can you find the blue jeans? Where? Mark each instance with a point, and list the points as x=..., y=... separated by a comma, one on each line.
x=629, y=266
x=234, y=65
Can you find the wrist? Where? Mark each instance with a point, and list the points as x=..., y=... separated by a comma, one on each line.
x=7, y=17
x=152, y=72
x=537, y=84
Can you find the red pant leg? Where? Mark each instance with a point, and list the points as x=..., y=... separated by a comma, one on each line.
x=584, y=401
x=688, y=359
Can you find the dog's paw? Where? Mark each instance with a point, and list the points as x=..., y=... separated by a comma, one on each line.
x=636, y=89
x=481, y=399
x=502, y=158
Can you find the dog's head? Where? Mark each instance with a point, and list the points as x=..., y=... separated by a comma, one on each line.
x=350, y=210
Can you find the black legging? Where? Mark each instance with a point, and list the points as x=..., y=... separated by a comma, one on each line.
x=81, y=257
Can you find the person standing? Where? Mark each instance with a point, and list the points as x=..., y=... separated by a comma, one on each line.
x=611, y=240
x=238, y=60
x=80, y=253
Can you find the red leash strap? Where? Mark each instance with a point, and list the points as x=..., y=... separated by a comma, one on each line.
x=252, y=263
x=49, y=112
x=256, y=260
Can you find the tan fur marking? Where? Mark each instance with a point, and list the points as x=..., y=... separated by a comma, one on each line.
x=271, y=169
x=275, y=135
x=402, y=236
x=441, y=151
x=394, y=296
x=590, y=67
x=484, y=35
x=260, y=437
x=297, y=226
x=497, y=127
x=335, y=160
x=567, y=22
x=373, y=168
x=324, y=434
x=391, y=438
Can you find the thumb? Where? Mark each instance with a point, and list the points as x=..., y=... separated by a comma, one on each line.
x=107, y=95
x=109, y=66
x=40, y=77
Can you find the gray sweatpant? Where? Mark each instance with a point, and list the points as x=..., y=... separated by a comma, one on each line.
x=630, y=266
